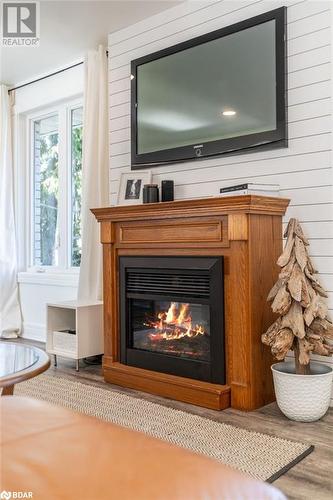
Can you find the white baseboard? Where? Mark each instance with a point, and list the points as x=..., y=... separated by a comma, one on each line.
x=34, y=331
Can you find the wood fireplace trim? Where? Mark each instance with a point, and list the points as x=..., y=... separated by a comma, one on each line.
x=198, y=207
x=247, y=231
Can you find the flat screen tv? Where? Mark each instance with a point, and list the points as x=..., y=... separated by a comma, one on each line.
x=216, y=94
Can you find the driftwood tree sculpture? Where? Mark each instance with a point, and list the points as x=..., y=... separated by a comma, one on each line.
x=303, y=325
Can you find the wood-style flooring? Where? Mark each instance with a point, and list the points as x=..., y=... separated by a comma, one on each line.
x=311, y=479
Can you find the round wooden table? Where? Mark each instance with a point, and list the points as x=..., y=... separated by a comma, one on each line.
x=19, y=362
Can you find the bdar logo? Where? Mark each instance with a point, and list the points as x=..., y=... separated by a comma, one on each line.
x=5, y=495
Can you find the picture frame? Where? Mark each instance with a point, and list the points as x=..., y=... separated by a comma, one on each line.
x=131, y=187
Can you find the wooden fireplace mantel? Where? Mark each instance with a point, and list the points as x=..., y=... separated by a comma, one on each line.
x=247, y=232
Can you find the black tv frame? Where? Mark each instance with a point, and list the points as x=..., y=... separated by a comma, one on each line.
x=251, y=142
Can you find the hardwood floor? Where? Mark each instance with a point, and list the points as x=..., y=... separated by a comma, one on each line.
x=311, y=479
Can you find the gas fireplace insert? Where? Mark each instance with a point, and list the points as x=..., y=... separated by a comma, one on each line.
x=171, y=315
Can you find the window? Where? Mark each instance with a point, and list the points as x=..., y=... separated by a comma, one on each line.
x=46, y=189
x=56, y=151
x=76, y=184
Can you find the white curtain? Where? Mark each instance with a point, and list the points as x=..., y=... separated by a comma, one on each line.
x=95, y=185
x=10, y=315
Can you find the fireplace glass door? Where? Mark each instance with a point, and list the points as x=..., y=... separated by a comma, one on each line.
x=179, y=329
x=171, y=311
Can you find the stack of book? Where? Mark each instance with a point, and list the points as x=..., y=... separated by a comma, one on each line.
x=251, y=188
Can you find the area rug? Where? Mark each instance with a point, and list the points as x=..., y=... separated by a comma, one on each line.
x=260, y=455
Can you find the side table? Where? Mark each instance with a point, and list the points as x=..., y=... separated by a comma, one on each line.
x=74, y=330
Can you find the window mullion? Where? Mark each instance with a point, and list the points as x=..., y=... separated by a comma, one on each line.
x=31, y=192
x=69, y=184
x=63, y=188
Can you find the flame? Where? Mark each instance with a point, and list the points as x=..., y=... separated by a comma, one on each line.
x=175, y=323
x=171, y=314
x=183, y=314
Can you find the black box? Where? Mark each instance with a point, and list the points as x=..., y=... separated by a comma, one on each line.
x=167, y=191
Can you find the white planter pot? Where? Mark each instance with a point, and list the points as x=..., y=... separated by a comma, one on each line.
x=305, y=398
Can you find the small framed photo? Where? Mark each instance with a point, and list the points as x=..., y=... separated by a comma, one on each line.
x=131, y=187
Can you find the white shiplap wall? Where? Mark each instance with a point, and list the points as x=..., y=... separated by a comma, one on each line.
x=303, y=170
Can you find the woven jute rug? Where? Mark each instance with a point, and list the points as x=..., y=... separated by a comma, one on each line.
x=259, y=455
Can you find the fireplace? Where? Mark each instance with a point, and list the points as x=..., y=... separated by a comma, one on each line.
x=227, y=245
x=171, y=315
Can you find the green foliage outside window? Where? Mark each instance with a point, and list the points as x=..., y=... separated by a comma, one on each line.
x=49, y=186
x=76, y=193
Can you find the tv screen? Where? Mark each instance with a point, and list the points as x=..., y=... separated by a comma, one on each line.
x=216, y=94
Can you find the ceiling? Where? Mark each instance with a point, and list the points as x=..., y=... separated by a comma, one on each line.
x=67, y=30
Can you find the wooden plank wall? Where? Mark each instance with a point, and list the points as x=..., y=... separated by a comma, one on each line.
x=303, y=170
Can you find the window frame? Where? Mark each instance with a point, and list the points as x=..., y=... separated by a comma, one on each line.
x=63, y=110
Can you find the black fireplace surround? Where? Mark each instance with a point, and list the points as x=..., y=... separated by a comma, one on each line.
x=172, y=315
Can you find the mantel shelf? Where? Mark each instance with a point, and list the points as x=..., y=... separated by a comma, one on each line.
x=193, y=208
